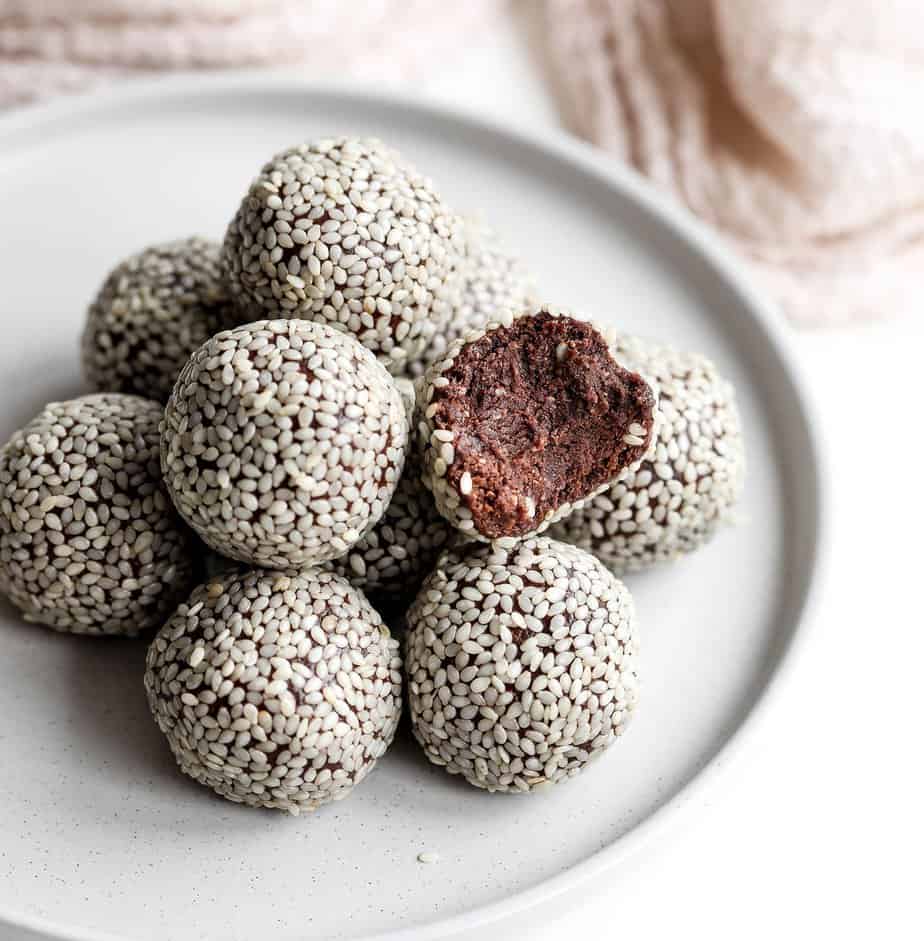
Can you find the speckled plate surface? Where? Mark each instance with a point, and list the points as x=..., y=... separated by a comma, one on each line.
x=100, y=837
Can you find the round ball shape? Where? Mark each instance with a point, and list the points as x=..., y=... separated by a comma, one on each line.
x=491, y=280
x=283, y=442
x=276, y=689
x=526, y=418
x=89, y=540
x=521, y=663
x=344, y=231
x=152, y=313
x=687, y=487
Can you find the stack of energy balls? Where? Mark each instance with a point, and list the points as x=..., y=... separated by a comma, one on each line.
x=354, y=404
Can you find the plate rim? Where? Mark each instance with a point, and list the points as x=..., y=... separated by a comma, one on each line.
x=696, y=239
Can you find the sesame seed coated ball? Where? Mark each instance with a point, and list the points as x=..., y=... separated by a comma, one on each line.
x=276, y=689
x=283, y=442
x=524, y=419
x=89, y=541
x=344, y=231
x=521, y=663
x=391, y=560
x=491, y=280
x=687, y=487
x=152, y=313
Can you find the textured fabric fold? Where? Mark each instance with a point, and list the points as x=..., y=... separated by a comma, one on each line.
x=789, y=126
x=48, y=46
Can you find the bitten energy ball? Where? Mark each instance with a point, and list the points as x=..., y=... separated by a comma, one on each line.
x=152, y=313
x=89, y=541
x=283, y=442
x=685, y=490
x=521, y=663
x=276, y=689
x=391, y=560
x=521, y=421
x=343, y=231
x=491, y=281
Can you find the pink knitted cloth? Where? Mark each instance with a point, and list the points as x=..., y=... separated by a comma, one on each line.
x=792, y=126
x=49, y=46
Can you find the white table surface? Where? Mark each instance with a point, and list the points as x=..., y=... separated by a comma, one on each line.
x=815, y=828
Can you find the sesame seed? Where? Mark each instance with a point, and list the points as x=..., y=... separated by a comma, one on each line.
x=154, y=310
x=310, y=435
x=679, y=496
x=314, y=749
x=490, y=280
x=393, y=558
x=391, y=281
x=105, y=553
x=444, y=463
x=472, y=720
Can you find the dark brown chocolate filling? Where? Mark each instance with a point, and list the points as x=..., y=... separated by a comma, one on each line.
x=539, y=412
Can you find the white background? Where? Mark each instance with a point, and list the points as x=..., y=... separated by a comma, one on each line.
x=816, y=828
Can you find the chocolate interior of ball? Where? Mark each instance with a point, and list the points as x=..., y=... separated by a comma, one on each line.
x=541, y=415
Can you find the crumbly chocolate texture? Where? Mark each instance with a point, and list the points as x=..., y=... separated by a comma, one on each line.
x=521, y=663
x=312, y=701
x=535, y=416
x=687, y=487
x=491, y=280
x=89, y=540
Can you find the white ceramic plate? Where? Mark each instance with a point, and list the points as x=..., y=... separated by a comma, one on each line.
x=99, y=835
